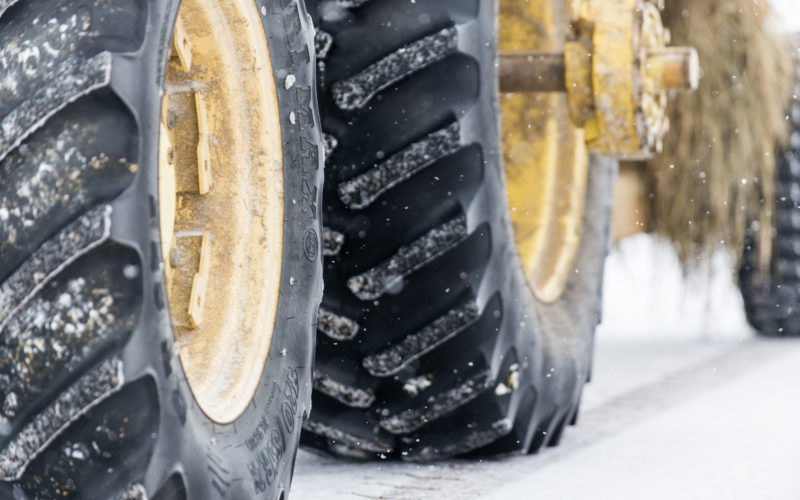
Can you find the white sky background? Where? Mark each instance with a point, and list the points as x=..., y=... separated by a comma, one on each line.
x=787, y=15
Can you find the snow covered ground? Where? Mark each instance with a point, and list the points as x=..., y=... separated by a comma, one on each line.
x=685, y=403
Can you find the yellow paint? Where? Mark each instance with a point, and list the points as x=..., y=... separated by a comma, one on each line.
x=204, y=175
x=223, y=259
x=631, y=212
x=578, y=79
x=166, y=185
x=546, y=162
x=671, y=68
x=197, y=297
x=613, y=127
x=182, y=45
x=617, y=71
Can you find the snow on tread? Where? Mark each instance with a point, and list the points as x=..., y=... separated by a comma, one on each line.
x=351, y=3
x=353, y=397
x=362, y=191
x=472, y=441
x=56, y=333
x=75, y=240
x=67, y=148
x=395, y=358
x=323, y=41
x=336, y=326
x=89, y=390
x=334, y=434
x=74, y=79
x=5, y=5
x=332, y=242
x=437, y=406
x=390, y=274
x=37, y=55
x=355, y=92
x=330, y=143
x=132, y=492
x=54, y=177
x=104, y=434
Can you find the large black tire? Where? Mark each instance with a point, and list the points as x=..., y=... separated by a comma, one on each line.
x=772, y=298
x=430, y=343
x=93, y=401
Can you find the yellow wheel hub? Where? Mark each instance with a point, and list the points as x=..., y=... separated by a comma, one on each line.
x=546, y=161
x=221, y=200
x=609, y=75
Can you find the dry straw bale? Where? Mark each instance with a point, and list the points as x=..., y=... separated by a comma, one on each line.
x=716, y=174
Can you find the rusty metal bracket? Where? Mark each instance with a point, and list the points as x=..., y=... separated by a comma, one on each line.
x=183, y=45
x=616, y=70
x=204, y=176
x=197, y=298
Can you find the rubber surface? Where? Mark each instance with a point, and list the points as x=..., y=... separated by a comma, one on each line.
x=430, y=343
x=93, y=400
x=772, y=300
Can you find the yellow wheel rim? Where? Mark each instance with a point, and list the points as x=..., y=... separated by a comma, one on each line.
x=221, y=200
x=546, y=162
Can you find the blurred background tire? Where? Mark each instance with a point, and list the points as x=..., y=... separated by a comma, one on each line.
x=771, y=292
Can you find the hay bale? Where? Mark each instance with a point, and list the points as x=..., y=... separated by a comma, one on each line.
x=716, y=174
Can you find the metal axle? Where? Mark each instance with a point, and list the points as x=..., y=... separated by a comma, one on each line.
x=669, y=68
x=532, y=72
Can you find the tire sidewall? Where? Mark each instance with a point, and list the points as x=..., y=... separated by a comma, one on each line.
x=253, y=457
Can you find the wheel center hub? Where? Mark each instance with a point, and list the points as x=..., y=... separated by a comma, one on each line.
x=221, y=200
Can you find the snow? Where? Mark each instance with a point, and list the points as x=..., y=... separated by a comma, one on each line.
x=718, y=423
x=645, y=295
x=737, y=441
x=787, y=15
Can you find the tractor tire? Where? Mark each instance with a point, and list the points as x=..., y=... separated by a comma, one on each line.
x=430, y=343
x=94, y=399
x=772, y=298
